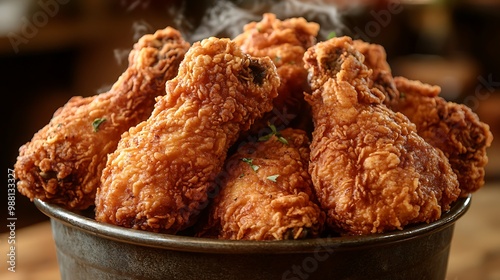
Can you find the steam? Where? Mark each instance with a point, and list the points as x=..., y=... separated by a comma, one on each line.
x=227, y=18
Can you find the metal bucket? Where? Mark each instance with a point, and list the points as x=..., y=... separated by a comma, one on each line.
x=87, y=249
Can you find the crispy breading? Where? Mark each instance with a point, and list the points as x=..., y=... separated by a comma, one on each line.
x=371, y=170
x=159, y=177
x=267, y=193
x=63, y=161
x=285, y=42
x=381, y=76
x=453, y=128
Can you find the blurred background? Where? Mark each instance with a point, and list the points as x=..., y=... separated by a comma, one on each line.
x=51, y=50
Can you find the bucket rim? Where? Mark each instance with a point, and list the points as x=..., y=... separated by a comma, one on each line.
x=58, y=214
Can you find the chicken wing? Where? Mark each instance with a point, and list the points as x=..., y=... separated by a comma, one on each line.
x=285, y=43
x=370, y=169
x=267, y=193
x=63, y=161
x=453, y=128
x=159, y=177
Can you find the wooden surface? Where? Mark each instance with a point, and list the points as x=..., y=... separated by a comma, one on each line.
x=475, y=249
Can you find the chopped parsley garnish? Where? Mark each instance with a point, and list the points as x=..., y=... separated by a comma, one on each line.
x=97, y=122
x=275, y=132
x=249, y=161
x=272, y=178
x=331, y=35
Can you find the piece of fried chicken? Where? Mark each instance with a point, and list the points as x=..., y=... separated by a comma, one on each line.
x=285, y=43
x=267, y=193
x=371, y=171
x=453, y=128
x=159, y=177
x=381, y=75
x=63, y=162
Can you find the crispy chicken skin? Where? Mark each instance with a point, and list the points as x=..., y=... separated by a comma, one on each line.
x=381, y=76
x=159, y=177
x=453, y=128
x=63, y=161
x=267, y=193
x=371, y=171
x=285, y=43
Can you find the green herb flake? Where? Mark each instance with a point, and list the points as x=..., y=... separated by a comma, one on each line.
x=249, y=161
x=402, y=95
x=282, y=140
x=331, y=35
x=96, y=123
x=272, y=178
x=265, y=137
x=274, y=132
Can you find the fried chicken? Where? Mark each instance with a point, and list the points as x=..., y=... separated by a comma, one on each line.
x=63, y=161
x=267, y=193
x=371, y=171
x=453, y=128
x=381, y=76
x=285, y=43
x=159, y=177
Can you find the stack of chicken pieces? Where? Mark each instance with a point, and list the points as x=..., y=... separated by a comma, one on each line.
x=268, y=136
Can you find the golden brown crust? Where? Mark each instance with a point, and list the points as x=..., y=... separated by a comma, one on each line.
x=381, y=76
x=371, y=171
x=159, y=176
x=267, y=193
x=285, y=42
x=386, y=152
x=453, y=128
x=64, y=160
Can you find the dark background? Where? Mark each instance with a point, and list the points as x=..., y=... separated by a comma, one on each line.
x=81, y=47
